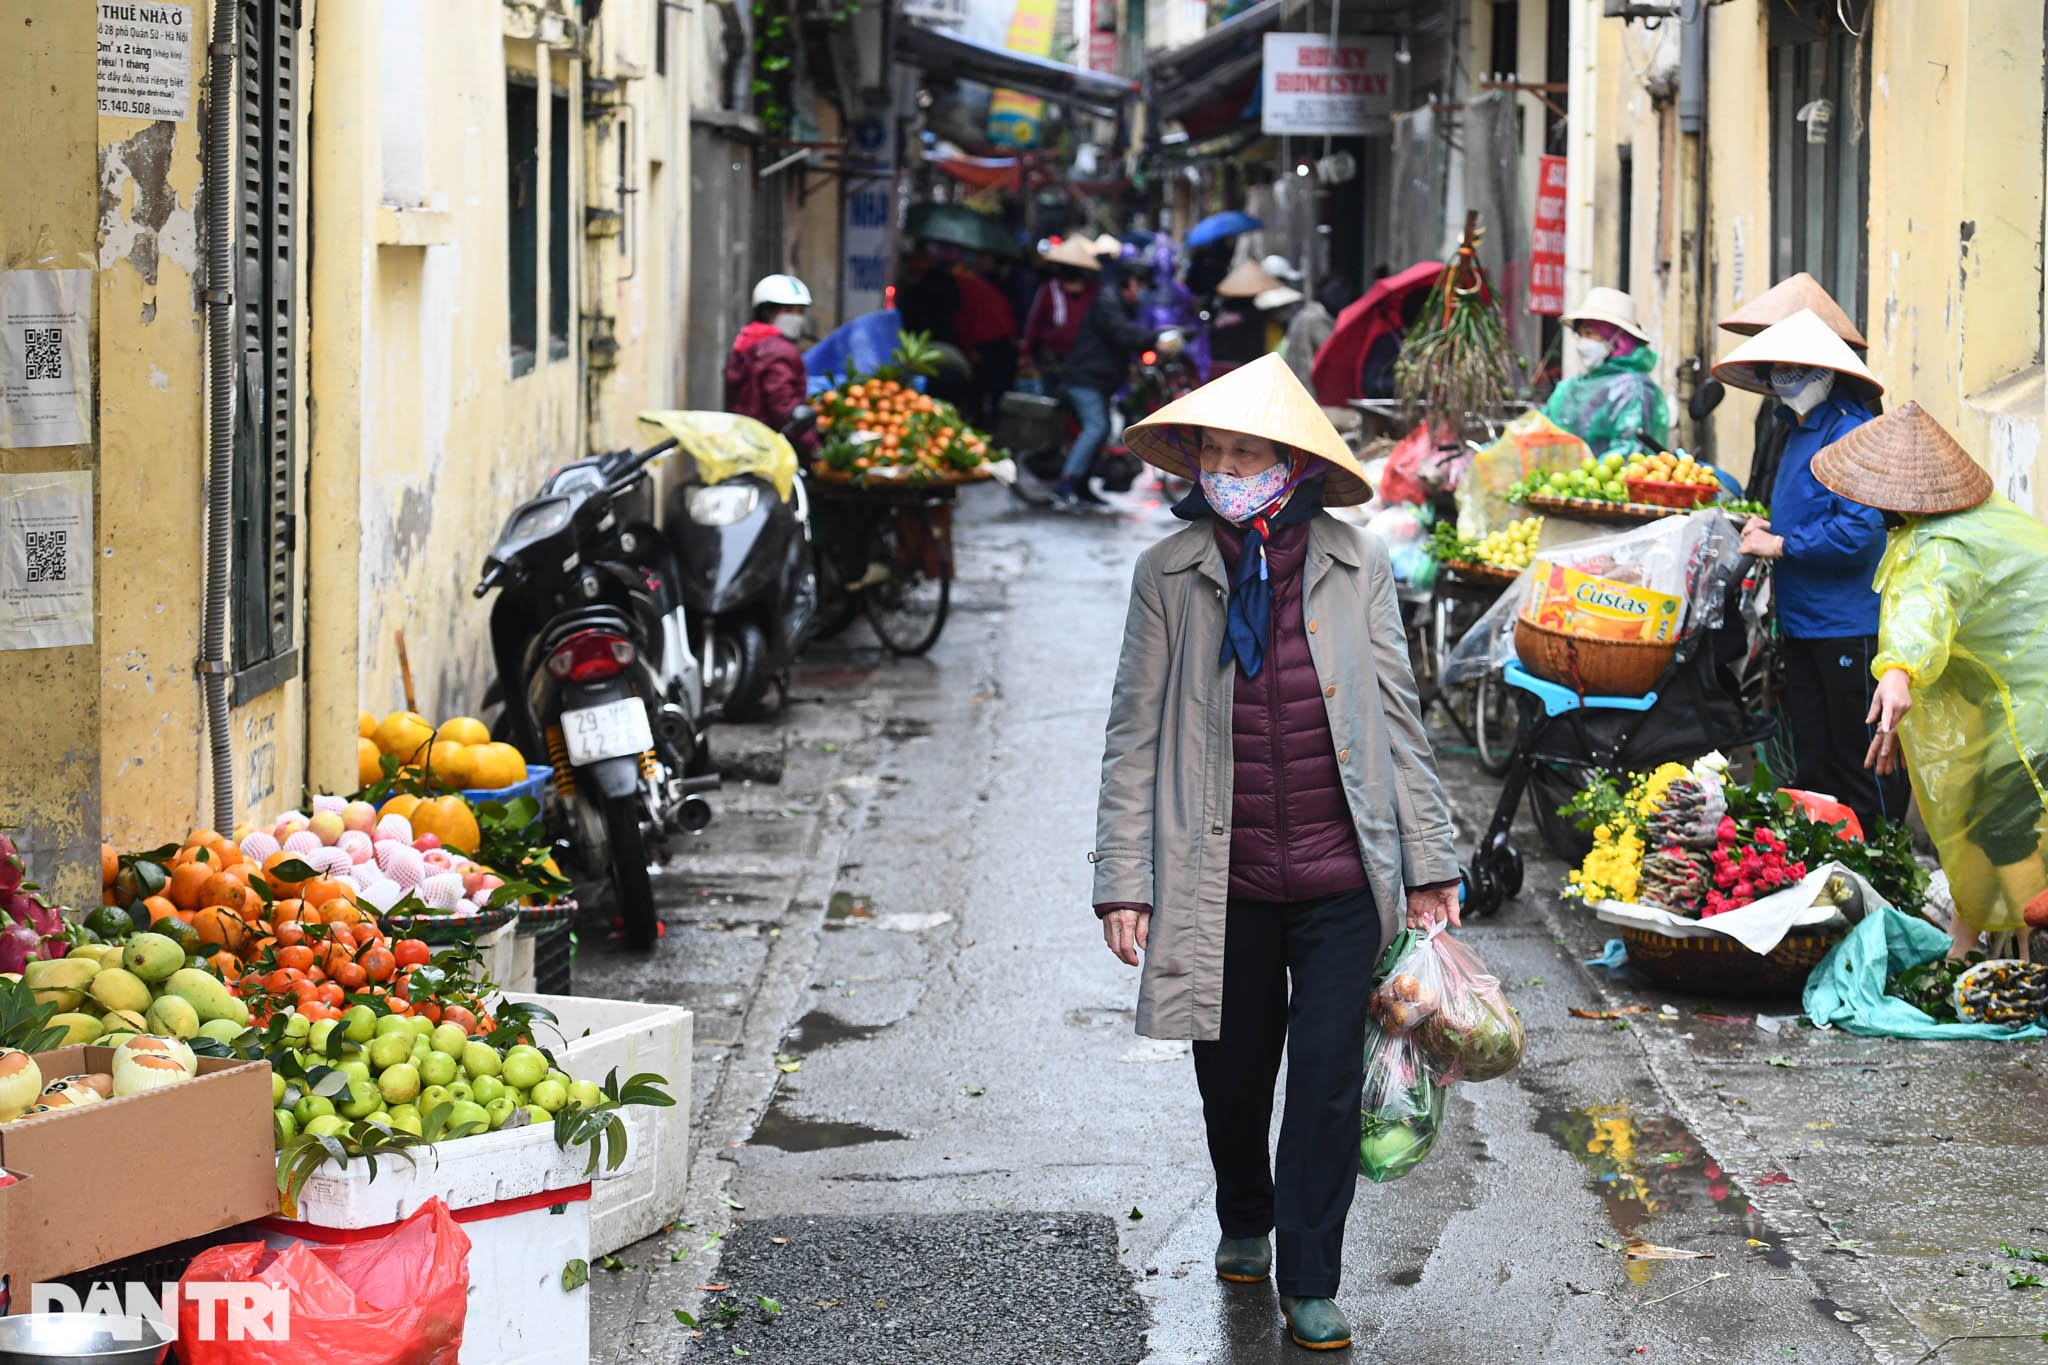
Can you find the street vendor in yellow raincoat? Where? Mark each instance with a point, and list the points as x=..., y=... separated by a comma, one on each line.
x=1962, y=661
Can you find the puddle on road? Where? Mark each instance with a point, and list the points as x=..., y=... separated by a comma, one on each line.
x=1649, y=1166
x=792, y=1133
x=819, y=1029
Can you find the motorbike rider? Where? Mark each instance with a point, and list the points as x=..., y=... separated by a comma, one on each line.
x=1096, y=368
x=764, y=371
x=1057, y=313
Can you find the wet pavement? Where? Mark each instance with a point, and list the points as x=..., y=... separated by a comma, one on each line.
x=926, y=1130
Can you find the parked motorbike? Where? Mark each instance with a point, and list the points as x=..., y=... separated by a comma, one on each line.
x=595, y=673
x=749, y=576
x=1038, y=430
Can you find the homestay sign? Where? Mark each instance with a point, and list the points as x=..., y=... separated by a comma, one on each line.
x=1312, y=86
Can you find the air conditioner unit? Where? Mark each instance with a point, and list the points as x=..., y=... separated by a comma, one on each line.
x=1643, y=9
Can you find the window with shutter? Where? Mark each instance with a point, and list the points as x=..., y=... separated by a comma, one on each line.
x=265, y=603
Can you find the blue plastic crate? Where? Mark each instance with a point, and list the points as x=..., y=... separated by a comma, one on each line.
x=537, y=778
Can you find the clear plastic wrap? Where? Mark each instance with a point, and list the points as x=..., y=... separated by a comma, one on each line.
x=1461, y=1018
x=1693, y=557
x=1402, y=1108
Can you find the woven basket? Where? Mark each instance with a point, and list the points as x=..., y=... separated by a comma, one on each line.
x=1658, y=493
x=1720, y=966
x=1603, y=668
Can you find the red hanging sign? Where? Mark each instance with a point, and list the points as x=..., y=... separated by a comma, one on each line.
x=1546, y=240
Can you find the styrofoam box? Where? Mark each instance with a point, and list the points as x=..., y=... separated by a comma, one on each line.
x=598, y=1035
x=500, y=950
x=518, y=1313
x=511, y=1163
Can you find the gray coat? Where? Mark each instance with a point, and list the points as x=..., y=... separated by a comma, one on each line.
x=1162, y=833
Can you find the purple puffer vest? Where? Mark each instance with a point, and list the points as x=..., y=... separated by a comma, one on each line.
x=1291, y=831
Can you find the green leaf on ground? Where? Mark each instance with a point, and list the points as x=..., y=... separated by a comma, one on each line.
x=1135, y=1214
x=575, y=1275
x=685, y=1319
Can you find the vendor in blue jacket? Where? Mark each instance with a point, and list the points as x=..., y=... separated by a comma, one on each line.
x=1825, y=550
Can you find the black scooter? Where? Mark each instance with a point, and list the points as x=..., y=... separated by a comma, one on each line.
x=595, y=674
x=748, y=576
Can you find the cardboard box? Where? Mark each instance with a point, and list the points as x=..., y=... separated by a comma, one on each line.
x=14, y=1215
x=127, y=1175
x=1600, y=608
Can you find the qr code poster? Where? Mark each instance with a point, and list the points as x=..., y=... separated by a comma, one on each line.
x=45, y=560
x=45, y=358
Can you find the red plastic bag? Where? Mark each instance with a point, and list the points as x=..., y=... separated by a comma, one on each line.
x=398, y=1299
x=1827, y=811
x=1415, y=469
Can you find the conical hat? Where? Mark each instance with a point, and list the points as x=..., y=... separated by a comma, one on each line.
x=1262, y=398
x=1107, y=245
x=1787, y=297
x=1802, y=339
x=1247, y=281
x=1903, y=462
x=1077, y=252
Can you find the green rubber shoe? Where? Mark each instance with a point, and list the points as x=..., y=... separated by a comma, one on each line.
x=1244, y=1260
x=1315, y=1323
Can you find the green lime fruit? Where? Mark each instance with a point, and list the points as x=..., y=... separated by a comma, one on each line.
x=287, y=1126
x=399, y=1083
x=484, y=1089
x=468, y=1111
x=399, y=1112
x=550, y=1095
x=524, y=1067
x=364, y=1099
x=323, y=1031
x=481, y=1059
x=297, y=1028
x=361, y=1023
x=276, y=1090
x=433, y=1097
x=395, y=1026
x=558, y=1076
x=500, y=1109
x=422, y=1025
x=586, y=1093
x=311, y=1107
x=389, y=1050
x=438, y=1068
x=450, y=1039
x=407, y=1123
x=459, y=1089
x=354, y=1067
x=327, y=1125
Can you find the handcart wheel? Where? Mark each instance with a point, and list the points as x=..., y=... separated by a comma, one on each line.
x=1511, y=872
x=1479, y=888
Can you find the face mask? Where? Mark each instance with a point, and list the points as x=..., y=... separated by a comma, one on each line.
x=1593, y=351
x=790, y=325
x=1238, y=498
x=1801, y=387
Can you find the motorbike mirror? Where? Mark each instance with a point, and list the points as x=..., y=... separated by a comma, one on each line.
x=802, y=420
x=1705, y=399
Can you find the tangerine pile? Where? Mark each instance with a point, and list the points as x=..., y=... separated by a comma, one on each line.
x=881, y=422
x=305, y=945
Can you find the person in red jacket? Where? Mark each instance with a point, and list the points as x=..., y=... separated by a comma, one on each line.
x=764, y=372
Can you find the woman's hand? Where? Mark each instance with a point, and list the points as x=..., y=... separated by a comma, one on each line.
x=1757, y=540
x=1125, y=931
x=1892, y=699
x=1427, y=907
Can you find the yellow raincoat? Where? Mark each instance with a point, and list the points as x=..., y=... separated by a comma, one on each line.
x=1965, y=613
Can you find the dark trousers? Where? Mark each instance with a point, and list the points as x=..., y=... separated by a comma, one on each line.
x=1827, y=696
x=1327, y=948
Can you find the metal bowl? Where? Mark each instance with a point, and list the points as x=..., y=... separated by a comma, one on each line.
x=41, y=1338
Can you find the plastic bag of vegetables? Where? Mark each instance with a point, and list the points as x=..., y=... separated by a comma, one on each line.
x=1464, y=1023
x=1402, y=1106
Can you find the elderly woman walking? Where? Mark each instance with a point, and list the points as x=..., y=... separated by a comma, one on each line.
x=1269, y=811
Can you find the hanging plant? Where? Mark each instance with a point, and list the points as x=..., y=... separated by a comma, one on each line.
x=1457, y=359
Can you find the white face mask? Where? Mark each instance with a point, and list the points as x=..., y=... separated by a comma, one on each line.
x=1593, y=351
x=790, y=324
x=1801, y=388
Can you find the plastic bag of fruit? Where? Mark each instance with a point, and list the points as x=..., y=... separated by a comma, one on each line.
x=396, y=1299
x=1401, y=1108
x=1462, y=1019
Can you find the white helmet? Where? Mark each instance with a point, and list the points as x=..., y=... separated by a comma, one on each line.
x=784, y=291
x=1280, y=268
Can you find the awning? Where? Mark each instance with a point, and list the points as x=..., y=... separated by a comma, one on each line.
x=1235, y=36
x=949, y=54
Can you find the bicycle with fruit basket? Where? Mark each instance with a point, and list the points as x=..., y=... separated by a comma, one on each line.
x=890, y=464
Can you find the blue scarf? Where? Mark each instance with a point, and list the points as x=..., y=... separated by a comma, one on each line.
x=1248, y=617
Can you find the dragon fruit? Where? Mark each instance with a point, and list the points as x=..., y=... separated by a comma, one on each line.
x=18, y=944
x=11, y=872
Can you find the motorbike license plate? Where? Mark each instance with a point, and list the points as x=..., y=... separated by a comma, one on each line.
x=615, y=730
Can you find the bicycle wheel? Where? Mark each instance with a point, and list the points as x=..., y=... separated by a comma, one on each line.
x=1493, y=724
x=908, y=609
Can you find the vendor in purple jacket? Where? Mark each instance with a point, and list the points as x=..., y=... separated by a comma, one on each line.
x=1825, y=550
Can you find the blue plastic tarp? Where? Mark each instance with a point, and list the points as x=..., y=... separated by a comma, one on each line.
x=1847, y=989
x=857, y=347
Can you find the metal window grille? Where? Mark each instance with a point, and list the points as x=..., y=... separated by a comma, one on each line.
x=266, y=528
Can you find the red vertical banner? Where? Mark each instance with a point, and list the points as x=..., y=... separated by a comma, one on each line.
x=1546, y=240
x=1102, y=36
